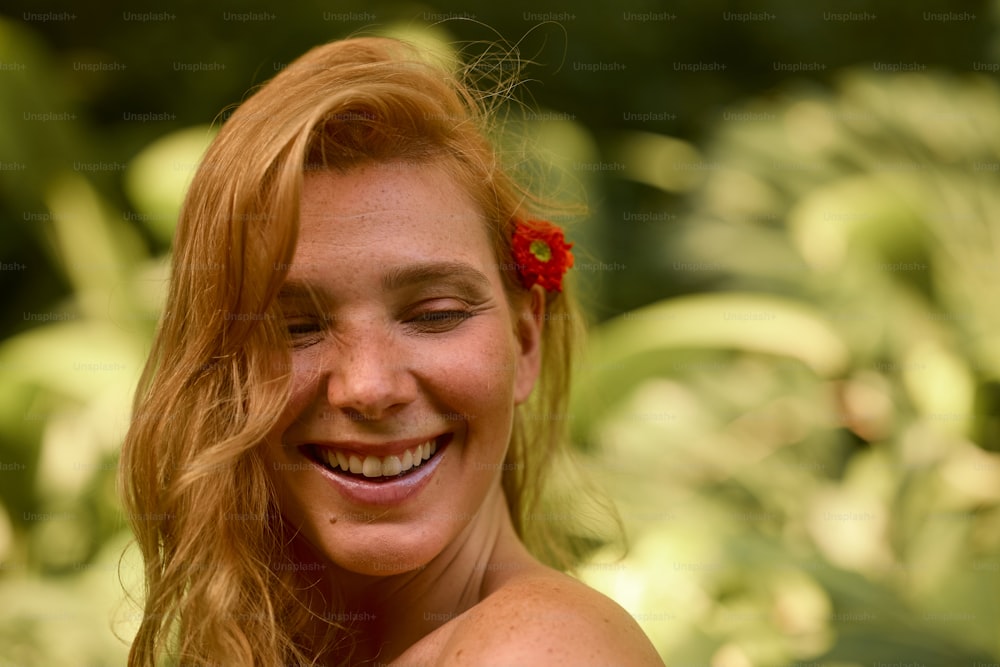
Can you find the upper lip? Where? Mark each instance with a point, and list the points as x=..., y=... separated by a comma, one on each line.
x=379, y=449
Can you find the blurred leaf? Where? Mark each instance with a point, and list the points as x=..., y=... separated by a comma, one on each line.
x=749, y=322
x=96, y=249
x=158, y=177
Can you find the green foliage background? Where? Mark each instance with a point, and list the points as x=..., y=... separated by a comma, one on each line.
x=792, y=392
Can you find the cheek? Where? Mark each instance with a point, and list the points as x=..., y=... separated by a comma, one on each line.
x=475, y=372
x=302, y=388
x=480, y=382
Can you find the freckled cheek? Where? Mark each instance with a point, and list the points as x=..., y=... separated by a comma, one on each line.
x=301, y=394
x=476, y=378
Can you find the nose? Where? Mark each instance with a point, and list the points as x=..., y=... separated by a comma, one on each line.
x=368, y=377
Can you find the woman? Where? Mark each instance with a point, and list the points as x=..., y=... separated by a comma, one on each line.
x=337, y=463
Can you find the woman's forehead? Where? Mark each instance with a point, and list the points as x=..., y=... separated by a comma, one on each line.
x=418, y=207
x=392, y=186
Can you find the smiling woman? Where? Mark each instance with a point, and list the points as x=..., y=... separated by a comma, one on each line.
x=345, y=472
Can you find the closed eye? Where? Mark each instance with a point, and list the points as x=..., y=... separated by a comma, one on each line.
x=434, y=321
x=299, y=328
x=304, y=333
x=446, y=315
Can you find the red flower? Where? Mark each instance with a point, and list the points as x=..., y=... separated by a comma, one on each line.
x=541, y=254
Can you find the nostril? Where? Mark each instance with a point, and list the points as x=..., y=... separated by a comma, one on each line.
x=357, y=416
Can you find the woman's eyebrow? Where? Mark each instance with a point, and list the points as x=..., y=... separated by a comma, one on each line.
x=457, y=273
x=471, y=279
x=295, y=290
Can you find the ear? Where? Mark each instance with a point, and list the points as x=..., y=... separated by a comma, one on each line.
x=528, y=329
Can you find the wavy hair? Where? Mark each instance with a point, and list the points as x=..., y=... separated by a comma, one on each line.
x=221, y=590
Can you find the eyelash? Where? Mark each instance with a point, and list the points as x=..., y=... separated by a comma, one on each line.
x=303, y=334
x=436, y=321
x=306, y=333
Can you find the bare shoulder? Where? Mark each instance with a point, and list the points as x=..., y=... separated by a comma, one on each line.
x=548, y=619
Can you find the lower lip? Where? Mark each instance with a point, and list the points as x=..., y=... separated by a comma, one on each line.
x=391, y=493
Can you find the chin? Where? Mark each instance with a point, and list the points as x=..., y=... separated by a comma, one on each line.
x=385, y=551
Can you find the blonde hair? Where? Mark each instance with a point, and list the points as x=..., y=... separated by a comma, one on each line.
x=221, y=590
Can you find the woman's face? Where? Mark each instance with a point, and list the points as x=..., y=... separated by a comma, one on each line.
x=404, y=344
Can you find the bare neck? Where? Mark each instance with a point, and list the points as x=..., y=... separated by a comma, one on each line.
x=390, y=614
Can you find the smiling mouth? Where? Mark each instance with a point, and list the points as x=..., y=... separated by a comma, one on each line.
x=375, y=468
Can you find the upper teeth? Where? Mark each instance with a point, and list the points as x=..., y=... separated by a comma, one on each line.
x=373, y=466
